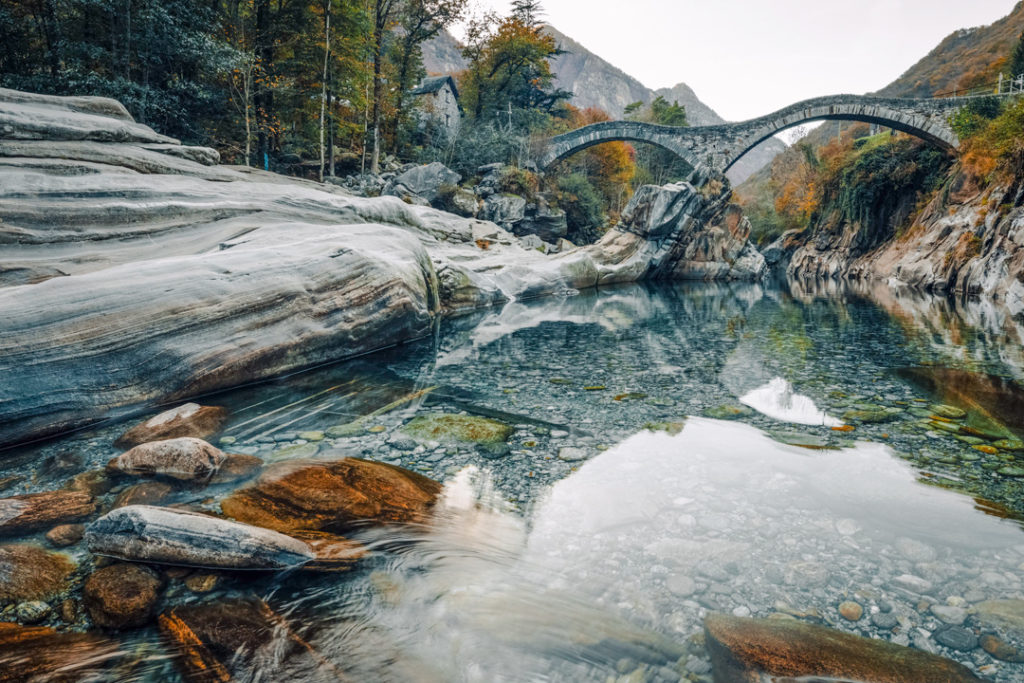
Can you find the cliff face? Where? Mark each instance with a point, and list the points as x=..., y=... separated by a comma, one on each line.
x=966, y=240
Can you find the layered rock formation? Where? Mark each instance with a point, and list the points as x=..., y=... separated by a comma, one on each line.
x=134, y=270
x=966, y=240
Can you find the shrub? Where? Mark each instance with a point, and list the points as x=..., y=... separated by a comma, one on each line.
x=583, y=208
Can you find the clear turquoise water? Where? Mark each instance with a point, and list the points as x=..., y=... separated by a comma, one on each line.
x=591, y=544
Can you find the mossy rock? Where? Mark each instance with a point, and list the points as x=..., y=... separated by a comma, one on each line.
x=458, y=429
x=952, y=412
x=1011, y=445
x=671, y=428
x=728, y=411
x=870, y=414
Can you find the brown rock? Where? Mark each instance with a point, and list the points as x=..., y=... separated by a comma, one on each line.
x=202, y=583
x=333, y=553
x=28, y=572
x=122, y=595
x=190, y=419
x=236, y=468
x=331, y=495
x=93, y=482
x=69, y=611
x=37, y=653
x=851, y=611
x=1000, y=649
x=65, y=534
x=144, y=493
x=33, y=511
x=743, y=650
x=238, y=639
x=185, y=458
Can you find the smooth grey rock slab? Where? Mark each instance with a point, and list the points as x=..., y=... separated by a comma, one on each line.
x=145, y=533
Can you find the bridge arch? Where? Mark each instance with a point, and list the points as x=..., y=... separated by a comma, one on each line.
x=930, y=126
x=567, y=144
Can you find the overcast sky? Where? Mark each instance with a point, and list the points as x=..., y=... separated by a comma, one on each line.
x=745, y=58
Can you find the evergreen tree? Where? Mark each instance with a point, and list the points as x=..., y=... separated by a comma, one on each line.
x=1017, y=59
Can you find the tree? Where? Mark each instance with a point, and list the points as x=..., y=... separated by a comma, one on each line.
x=383, y=16
x=1017, y=59
x=659, y=166
x=509, y=68
x=528, y=12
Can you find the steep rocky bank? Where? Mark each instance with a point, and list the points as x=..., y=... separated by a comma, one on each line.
x=966, y=240
x=138, y=271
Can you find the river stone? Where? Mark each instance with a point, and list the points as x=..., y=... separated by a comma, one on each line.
x=242, y=640
x=189, y=419
x=65, y=534
x=236, y=467
x=93, y=482
x=1011, y=445
x=144, y=493
x=458, y=429
x=728, y=411
x=1002, y=614
x=914, y=550
x=332, y=495
x=743, y=650
x=144, y=533
x=914, y=584
x=33, y=511
x=122, y=595
x=874, y=414
x=956, y=638
x=851, y=611
x=28, y=572
x=32, y=612
x=184, y=458
x=948, y=614
x=1011, y=471
x=1000, y=649
x=37, y=653
x=948, y=411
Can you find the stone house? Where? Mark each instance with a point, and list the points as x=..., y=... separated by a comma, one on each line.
x=437, y=99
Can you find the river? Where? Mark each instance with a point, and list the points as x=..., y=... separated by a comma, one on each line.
x=671, y=451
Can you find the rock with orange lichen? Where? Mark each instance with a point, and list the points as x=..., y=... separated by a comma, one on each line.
x=28, y=572
x=333, y=553
x=332, y=495
x=37, y=653
x=189, y=419
x=747, y=650
x=33, y=511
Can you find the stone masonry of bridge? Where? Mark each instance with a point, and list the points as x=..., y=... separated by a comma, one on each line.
x=717, y=148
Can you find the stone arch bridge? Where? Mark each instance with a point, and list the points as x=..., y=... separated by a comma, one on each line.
x=717, y=148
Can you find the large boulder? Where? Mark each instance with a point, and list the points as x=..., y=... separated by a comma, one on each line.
x=507, y=210
x=185, y=458
x=749, y=650
x=332, y=495
x=189, y=419
x=143, y=533
x=122, y=595
x=425, y=181
x=33, y=511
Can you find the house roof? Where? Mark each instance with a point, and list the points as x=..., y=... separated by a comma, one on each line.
x=432, y=84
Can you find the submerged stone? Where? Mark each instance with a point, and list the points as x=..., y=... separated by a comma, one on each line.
x=332, y=495
x=746, y=650
x=458, y=429
x=33, y=511
x=144, y=493
x=947, y=411
x=728, y=411
x=185, y=458
x=122, y=595
x=1011, y=445
x=871, y=414
x=190, y=419
x=37, y=653
x=143, y=533
x=28, y=572
x=65, y=534
x=241, y=640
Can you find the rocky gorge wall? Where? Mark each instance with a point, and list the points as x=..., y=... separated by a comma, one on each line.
x=135, y=270
x=967, y=240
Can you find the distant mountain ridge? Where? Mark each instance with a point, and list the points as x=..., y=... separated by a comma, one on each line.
x=596, y=82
